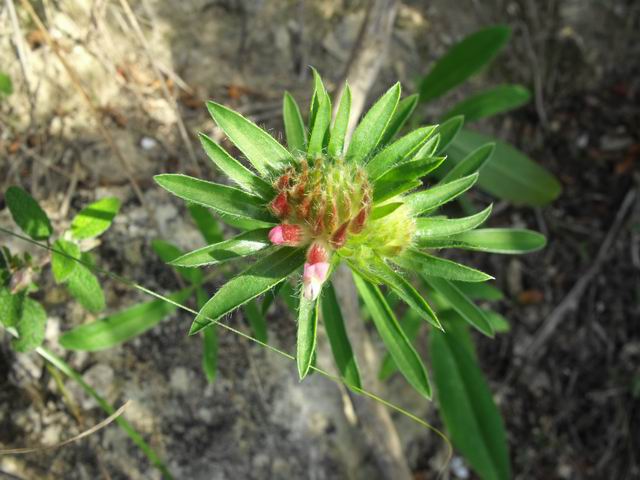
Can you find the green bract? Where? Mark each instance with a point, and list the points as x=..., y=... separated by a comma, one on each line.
x=330, y=201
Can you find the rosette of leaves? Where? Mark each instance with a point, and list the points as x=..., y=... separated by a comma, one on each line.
x=319, y=202
x=71, y=264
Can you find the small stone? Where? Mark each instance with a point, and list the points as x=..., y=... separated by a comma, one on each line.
x=180, y=379
x=148, y=143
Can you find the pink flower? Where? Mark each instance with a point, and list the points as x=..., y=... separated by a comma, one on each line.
x=286, y=234
x=316, y=270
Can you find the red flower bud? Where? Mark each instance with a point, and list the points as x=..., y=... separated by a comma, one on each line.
x=280, y=206
x=339, y=238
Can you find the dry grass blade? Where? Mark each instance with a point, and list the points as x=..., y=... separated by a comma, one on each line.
x=86, y=433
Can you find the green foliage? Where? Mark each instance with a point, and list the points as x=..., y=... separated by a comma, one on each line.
x=425, y=200
x=95, y=219
x=439, y=267
x=448, y=131
x=495, y=240
x=63, y=259
x=307, y=333
x=10, y=307
x=293, y=124
x=207, y=225
x=491, y=102
x=30, y=326
x=27, y=214
x=341, y=123
x=431, y=227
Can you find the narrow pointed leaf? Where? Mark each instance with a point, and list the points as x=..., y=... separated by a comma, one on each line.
x=30, y=326
x=495, y=240
x=491, y=102
x=426, y=264
x=383, y=210
x=434, y=197
x=509, y=174
x=320, y=126
x=405, y=108
x=257, y=321
x=479, y=291
x=399, y=151
x=242, y=245
x=448, y=131
x=207, y=224
x=224, y=199
x=62, y=259
x=497, y=321
x=293, y=124
x=94, y=219
x=27, y=214
x=307, y=333
x=260, y=148
x=394, y=338
x=233, y=169
x=459, y=302
x=472, y=163
x=340, y=346
x=428, y=148
x=410, y=325
x=121, y=326
x=257, y=279
x=430, y=227
x=403, y=289
x=340, y=124
x=463, y=60
x=467, y=407
x=367, y=135
x=389, y=184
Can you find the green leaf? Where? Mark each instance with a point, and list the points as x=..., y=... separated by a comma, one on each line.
x=6, y=85
x=403, y=289
x=244, y=223
x=340, y=124
x=398, y=151
x=405, y=108
x=439, y=267
x=84, y=286
x=169, y=252
x=62, y=259
x=257, y=279
x=463, y=60
x=495, y=240
x=404, y=177
x=431, y=227
x=340, y=346
x=382, y=211
x=242, y=245
x=491, y=102
x=257, y=321
x=123, y=325
x=471, y=163
x=397, y=343
x=307, y=333
x=430, y=147
x=509, y=174
x=224, y=199
x=459, y=302
x=207, y=224
x=467, y=407
x=260, y=148
x=209, y=343
x=368, y=133
x=410, y=325
x=94, y=219
x=448, y=131
x=321, y=119
x=435, y=196
x=479, y=291
x=10, y=307
x=27, y=214
x=293, y=124
x=30, y=326
x=233, y=169
x=497, y=321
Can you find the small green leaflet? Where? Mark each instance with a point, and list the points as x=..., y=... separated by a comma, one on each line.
x=84, y=286
x=463, y=60
x=509, y=174
x=10, y=307
x=27, y=213
x=368, y=133
x=242, y=245
x=233, y=169
x=321, y=119
x=30, y=326
x=405, y=108
x=472, y=163
x=431, y=227
x=410, y=324
x=63, y=259
x=257, y=279
x=495, y=240
x=480, y=291
x=340, y=346
x=307, y=334
x=340, y=124
x=414, y=260
x=435, y=196
x=260, y=148
x=491, y=102
x=394, y=338
x=121, y=326
x=94, y=219
x=448, y=131
x=224, y=199
x=467, y=407
x=293, y=124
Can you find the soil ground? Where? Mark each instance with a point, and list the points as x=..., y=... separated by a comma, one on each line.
x=571, y=412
